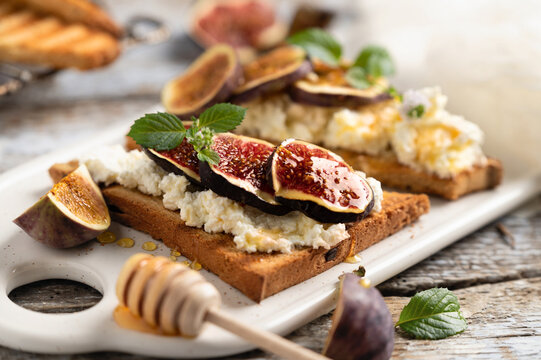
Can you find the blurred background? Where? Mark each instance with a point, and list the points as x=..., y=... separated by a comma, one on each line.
x=483, y=53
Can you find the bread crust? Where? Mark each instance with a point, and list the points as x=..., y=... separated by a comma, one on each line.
x=257, y=275
x=390, y=172
x=32, y=37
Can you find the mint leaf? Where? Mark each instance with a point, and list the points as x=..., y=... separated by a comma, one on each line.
x=417, y=111
x=432, y=314
x=209, y=156
x=356, y=77
x=376, y=61
x=222, y=117
x=318, y=44
x=394, y=93
x=160, y=131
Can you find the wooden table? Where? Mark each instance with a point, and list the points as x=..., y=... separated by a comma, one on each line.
x=497, y=281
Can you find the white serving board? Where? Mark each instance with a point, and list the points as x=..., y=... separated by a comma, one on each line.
x=22, y=260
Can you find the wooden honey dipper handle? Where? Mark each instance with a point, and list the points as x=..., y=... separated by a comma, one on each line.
x=264, y=339
x=176, y=299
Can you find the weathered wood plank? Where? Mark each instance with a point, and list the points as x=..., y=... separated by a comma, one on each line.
x=483, y=257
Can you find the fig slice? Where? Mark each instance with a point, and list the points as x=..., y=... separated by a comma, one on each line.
x=240, y=174
x=331, y=88
x=181, y=160
x=318, y=183
x=272, y=72
x=71, y=213
x=209, y=80
x=362, y=327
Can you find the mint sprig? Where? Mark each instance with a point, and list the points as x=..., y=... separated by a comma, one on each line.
x=318, y=44
x=417, y=111
x=372, y=62
x=432, y=314
x=163, y=131
x=375, y=61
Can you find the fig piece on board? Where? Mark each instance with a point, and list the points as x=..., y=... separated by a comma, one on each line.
x=71, y=213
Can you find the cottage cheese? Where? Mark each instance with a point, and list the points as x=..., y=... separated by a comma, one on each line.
x=275, y=118
x=252, y=229
x=437, y=142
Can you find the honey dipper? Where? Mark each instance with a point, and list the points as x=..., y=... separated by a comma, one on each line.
x=178, y=300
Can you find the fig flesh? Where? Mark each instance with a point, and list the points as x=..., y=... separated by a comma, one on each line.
x=272, y=72
x=318, y=182
x=330, y=88
x=209, y=80
x=181, y=160
x=71, y=213
x=362, y=327
x=240, y=174
x=240, y=23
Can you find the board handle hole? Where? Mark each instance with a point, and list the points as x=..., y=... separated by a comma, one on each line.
x=55, y=296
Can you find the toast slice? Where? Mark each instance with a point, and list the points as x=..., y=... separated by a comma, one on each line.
x=257, y=275
x=34, y=37
x=74, y=11
x=390, y=172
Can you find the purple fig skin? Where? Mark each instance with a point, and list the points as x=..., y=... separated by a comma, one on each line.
x=45, y=223
x=323, y=99
x=228, y=83
x=362, y=327
x=280, y=82
x=170, y=166
x=222, y=187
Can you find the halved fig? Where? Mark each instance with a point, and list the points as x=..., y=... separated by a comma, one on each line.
x=71, y=213
x=318, y=182
x=240, y=174
x=209, y=80
x=362, y=327
x=272, y=72
x=330, y=88
x=240, y=23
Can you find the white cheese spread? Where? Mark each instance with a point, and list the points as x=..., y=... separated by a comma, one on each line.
x=253, y=230
x=436, y=142
x=366, y=129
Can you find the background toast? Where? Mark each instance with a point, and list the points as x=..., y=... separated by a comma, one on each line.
x=33, y=37
x=391, y=173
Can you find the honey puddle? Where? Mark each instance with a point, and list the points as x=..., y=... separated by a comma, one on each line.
x=126, y=320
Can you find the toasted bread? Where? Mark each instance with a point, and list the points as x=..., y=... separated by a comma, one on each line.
x=74, y=11
x=391, y=173
x=257, y=275
x=34, y=37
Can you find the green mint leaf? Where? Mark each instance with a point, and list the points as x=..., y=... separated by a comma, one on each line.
x=318, y=44
x=432, y=314
x=417, y=111
x=159, y=131
x=200, y=138
x=209, y=156
x=376, y=61
x=356, y=77
x=222, y=117
x=394, y=93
